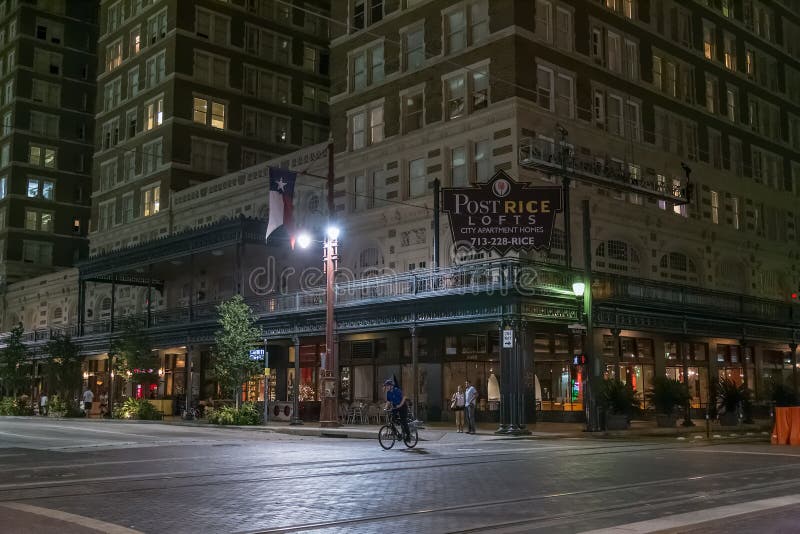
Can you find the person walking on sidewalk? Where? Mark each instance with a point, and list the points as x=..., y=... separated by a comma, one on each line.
x=43, y=404
x=470, y=399
x=87, y=399
x=457, y=405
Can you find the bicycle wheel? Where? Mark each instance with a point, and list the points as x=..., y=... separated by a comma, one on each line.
x=413, y=437
x=386, y=437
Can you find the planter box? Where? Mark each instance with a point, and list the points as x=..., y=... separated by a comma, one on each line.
x=729, y=419
x=666, y=421
x=617, y=422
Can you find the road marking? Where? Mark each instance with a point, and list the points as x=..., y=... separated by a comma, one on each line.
x=88, y=522
x=699, y=516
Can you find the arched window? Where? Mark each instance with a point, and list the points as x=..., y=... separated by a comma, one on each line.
x=679, y=267
x=370, y=261
x=105, y=308
x=616, y=256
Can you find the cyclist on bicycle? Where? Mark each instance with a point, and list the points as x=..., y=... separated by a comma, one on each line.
x=396, y=401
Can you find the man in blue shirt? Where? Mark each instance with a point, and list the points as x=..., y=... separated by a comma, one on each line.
x=470, y=398
x=397, y=402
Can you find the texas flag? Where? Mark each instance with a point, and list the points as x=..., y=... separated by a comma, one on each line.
x=281, y=194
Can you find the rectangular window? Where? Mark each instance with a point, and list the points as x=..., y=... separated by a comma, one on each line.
x=268, y=45
x=714, y=207
x=633, y=120
x=615, y=118
x=108, y=175
x=709, y=40
x=715, y=148
x=156, y=69
x=268, y=85
x=135, y=41
x=614, y=47
x=42, y=156
x=127, y=208
x=113, y=55
x=315, y=98
x=129, y=165
x=564, y=95
x=458, y=167
x=455, y=97
x=417, y=178
x=133, y=82
x=414, y=48
x=732, y=102
x=44, y=124
x=729, y=45
x=312, y=59
x=211, y=69
x=564, y=37
x=209, y=156
x=151, y=200
x=154, y=113
x=412, y=112
x=632, y=59
x=544, y=88
x=456, y=31
x=544, y=20
x=37, y=252
x=466, y=25
x=41, y=188
x=266, y=126
x=152, y=156
x=360, y=192
x=106, y=215
x=736, y=157
x=658, y=73
x=711, y=94
x=367, y=67
x=212, y=26
x=38, y=220
x=157, y=26
x=735, y=212
x=482, y=160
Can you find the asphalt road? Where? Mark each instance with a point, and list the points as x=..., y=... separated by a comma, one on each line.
x=90, y=476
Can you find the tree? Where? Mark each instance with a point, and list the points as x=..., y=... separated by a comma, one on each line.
x=238, y=334
x=134, y=355
x=64, y=367
x=15, y=366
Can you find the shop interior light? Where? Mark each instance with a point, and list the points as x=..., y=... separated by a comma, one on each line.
x=578, y=288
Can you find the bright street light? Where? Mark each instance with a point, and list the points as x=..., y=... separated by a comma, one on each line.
x=304, y=240
x=332, y=232
x=578, y=288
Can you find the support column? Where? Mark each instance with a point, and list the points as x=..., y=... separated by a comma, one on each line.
x=113, y=299
x=189, y=369
x=296, y=384
x=414, y=371
x=513, y=393
x=81, y=306
x=504, y=383
x=615, y=332
x=530, y=414
x=191, y=288
x=149, y=296
x=110, y=405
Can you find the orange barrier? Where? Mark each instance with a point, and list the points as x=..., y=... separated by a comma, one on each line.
x=787, y=426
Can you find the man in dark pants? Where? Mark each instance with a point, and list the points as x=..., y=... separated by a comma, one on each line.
x=470, y=399
x=397, y=401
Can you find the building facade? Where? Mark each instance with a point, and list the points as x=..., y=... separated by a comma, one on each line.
x=189, y=91
x=674, y=122
x=47, y=64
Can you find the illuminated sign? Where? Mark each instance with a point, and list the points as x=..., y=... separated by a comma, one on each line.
x=502, y=214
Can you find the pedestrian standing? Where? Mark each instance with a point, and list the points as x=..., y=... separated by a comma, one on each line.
x=43, y=404
x=470, y=399
x=87, y=398
x=457, y=405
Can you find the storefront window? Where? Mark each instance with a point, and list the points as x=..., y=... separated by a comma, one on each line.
x=776, y=368
x=484, y=375
x=560, y=381
x=729, y=363
x=696, y=355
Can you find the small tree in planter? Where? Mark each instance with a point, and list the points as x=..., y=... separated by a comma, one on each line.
x=668, y=395
x=238, y=333
x=63, y=374
x=16, y=368
x=730, y=397
x=620, y=403
x=135, y=359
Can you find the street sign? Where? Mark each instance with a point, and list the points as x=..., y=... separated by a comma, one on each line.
x=502, y=215
x=256, y=354
x=508, y=338
x=266, y=371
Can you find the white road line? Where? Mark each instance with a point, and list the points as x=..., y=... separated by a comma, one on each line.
x=698, y=517
x=88, y=522
x=29, y=436
x=754, y=453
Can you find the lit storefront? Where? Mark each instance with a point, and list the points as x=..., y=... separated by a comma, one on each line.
x=632, y=362
x=560, y=378
x=696, y=363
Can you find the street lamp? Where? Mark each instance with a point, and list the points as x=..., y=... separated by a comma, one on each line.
x=578, y=289
x=329, y=410
x=585, y=322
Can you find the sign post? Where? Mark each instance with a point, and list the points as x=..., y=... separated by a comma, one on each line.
x=508, y=338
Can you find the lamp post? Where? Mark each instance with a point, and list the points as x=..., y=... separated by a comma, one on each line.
x=329, y=410
x=589, y=401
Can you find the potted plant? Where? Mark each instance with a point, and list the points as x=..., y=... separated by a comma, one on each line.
x=620, y=402
x=730, y=396
x=782, y=395
x=668, y=395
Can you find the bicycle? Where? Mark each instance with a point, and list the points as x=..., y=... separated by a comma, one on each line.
x=391, y=432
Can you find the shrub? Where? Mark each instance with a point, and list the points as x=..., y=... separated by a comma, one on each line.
x=141, y=409
x=668, y=394
x=59, y=407
x=247, y=414
x=730, y=395
x=782, y=395
x=618, y=398
x=16, y=406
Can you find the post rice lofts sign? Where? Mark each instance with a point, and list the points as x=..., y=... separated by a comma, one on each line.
x=502, y=214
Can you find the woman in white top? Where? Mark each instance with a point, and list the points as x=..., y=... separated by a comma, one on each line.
x=457, y=405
